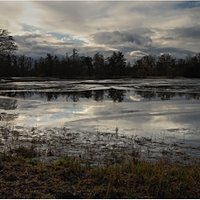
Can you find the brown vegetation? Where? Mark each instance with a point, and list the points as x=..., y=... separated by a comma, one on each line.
x=70, y=177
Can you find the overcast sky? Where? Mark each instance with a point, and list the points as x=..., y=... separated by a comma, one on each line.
x=134, y=28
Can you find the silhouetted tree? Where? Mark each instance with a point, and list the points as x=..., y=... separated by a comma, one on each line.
x=180, y=67
x=117, y=64
x=98, y=63
x=7, y=48
x=75, y=68
x=87, y=66
x=192, y=66
x=164, y=62
x=24, y=65
x=7, y=43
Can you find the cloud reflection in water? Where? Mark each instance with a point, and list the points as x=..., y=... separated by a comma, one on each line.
x=148, y=106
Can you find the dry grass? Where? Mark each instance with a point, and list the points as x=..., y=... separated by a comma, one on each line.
x=73, y=177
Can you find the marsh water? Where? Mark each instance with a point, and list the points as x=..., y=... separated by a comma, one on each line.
x=165, y=110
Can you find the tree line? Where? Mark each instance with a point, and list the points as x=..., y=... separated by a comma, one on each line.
x=167, y=65
x=97, y=66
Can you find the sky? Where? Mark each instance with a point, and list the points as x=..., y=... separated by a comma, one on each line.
x=132, y=27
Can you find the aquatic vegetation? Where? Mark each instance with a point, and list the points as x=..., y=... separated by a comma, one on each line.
x=47, y=145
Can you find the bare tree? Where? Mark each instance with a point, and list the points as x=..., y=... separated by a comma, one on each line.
x=7, y=43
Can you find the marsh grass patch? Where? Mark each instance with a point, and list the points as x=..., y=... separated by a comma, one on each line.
x=74, y=177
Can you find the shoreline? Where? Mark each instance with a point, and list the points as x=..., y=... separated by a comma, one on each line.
x=49, y=144
x=17, y=79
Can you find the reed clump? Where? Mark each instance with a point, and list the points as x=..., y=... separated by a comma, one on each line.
x=72, y=177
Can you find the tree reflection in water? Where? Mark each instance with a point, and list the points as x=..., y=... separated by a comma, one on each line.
x=116, y=95
x=167, y=95
x=97, y=95
x=8, y=104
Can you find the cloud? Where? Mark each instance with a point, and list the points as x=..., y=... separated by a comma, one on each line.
x=69, y=17
x=9, y=12
x=135, y=28
x=119, y=38
x=32, y=44
x=188, y=32
x=137, y=53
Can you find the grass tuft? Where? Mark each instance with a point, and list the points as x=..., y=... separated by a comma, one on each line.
x=26, y=152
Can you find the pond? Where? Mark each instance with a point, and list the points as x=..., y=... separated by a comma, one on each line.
x=165, y=112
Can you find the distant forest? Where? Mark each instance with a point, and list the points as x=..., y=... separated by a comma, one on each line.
x=98, y=67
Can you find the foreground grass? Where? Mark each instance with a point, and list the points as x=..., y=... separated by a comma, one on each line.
x=23, y=177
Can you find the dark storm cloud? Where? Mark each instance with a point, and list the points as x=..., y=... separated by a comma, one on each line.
x=46, y=49
x=32, y=39
x=119, y=38
x=37, y=45
x=27, y=40
x=167, y=38
x=188, y=32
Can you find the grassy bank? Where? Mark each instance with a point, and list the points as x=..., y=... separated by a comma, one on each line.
x=70, y=177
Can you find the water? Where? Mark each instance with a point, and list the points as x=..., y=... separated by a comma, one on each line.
x=161, y=109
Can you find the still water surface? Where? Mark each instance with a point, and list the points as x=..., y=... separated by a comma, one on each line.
x=156, y=108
